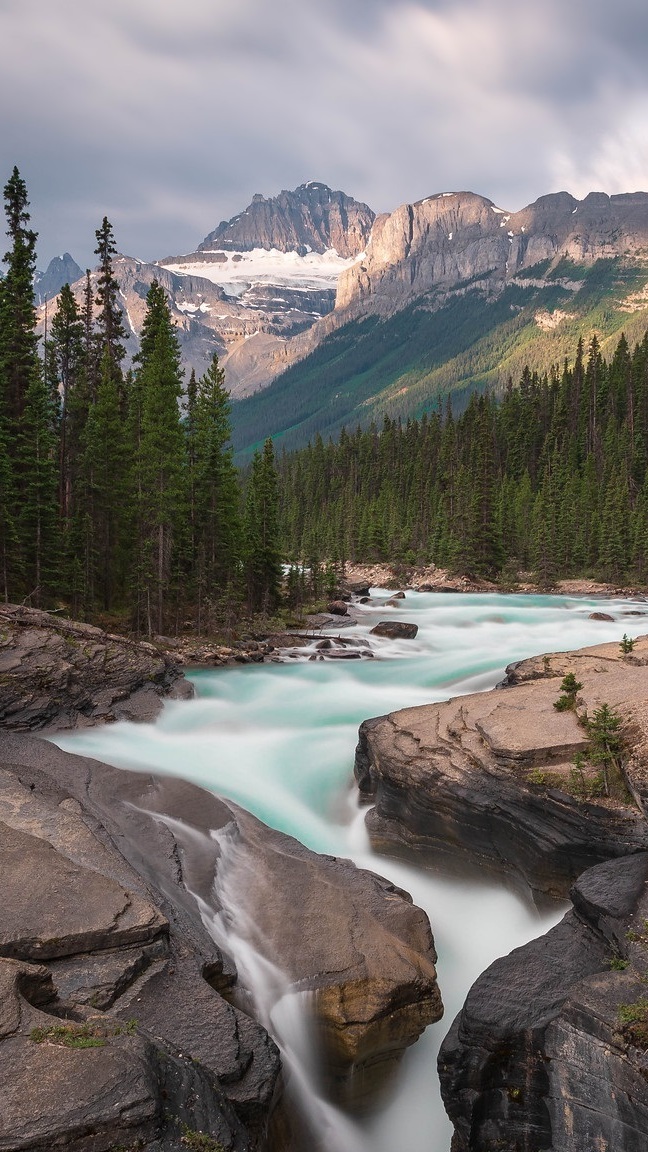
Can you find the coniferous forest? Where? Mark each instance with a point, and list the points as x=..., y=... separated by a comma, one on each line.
x=550, y=478
x=119, y=498
x=118, y=495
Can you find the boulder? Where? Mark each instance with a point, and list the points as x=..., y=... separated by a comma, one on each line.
x=55, y=673
x=600, y=616
x=338, y=608
x=395, y=630
x=490, y=778
x=543, y=1053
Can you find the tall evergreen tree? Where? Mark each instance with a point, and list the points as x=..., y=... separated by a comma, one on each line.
x=110, y=326
x=215, y=486
x=18, y=341
x=262, y=546
x=160, y=466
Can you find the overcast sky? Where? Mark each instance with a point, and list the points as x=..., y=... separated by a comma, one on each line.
x=168, y=116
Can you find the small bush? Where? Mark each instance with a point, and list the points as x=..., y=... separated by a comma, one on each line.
x=626, y=645
x=633, y=1019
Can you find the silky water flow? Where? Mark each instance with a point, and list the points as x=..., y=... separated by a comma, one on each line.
x=279, y=740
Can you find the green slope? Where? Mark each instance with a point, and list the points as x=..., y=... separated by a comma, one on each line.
x=403, y=366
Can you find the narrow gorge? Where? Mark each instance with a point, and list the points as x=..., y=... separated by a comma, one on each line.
x=164, y=915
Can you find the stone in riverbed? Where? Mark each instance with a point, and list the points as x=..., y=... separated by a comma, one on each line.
x=395, y=630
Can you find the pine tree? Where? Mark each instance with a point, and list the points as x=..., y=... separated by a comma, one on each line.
x=158, y=478
x=102, y=519
x=66, y=364
x=262, y=547
x=18, y=341
x=216, y=498
x=37, y=521
x=110, y=326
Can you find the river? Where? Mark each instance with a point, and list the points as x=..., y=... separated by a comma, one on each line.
x=279, y=740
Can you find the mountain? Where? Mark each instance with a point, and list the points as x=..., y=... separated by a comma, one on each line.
x=454, y=293
x=313, y=218
x=324, y=315
x=60, y=270
x=255, y=284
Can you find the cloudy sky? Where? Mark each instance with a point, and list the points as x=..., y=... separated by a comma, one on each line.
x=168, y=116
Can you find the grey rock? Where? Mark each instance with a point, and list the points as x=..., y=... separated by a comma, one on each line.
x=311, y=218
x=354, y=941
x=395, y=630
x=486, y=778
x=539, y=1056
x=59, y=673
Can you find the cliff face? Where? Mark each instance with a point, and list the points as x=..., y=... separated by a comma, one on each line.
x=450, y=241
x=491, y=777
x=312, y=218
x=542, y=1055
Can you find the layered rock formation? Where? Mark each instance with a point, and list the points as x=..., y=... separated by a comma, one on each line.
x=115, y=888
x=550, y=1050
x=455, y=241
x=491, y=777
x=57, y=673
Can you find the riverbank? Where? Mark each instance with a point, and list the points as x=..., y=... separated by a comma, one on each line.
x=429, y=578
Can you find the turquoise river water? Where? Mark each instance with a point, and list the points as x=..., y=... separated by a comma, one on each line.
x=279, y=739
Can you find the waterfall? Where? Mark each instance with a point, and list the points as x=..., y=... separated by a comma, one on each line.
x=279, y=740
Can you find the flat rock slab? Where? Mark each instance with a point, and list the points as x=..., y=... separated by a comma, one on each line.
x=52, y=907
x=487, y=777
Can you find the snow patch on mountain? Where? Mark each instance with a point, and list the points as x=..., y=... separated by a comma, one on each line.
x=236, y=272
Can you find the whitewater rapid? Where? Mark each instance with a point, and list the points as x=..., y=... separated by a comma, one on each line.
x=279, y=740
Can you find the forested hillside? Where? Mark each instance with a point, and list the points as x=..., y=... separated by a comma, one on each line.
x=551, y=478
x=443, y=345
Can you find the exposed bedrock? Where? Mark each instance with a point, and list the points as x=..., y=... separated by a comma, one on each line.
x=57, y=673
x=550, y=1051
x=112, y=882
x=490, y=777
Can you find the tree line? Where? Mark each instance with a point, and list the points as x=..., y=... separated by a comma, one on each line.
x=118, y=492
x=549, y=477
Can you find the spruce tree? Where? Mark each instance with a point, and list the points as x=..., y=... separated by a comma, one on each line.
x=262, y=546
x=159, y=475
x=37, y=520
x=111, y=332
x=217, y=521
x=18, y=341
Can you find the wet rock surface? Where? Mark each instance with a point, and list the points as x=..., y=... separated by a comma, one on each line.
x=55, y=673
x=541, y=1055
x=395, y=629
x=108, y=898
x=489, y=777
x=113, y=943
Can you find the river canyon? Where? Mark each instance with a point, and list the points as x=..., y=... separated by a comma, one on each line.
x=279, y=738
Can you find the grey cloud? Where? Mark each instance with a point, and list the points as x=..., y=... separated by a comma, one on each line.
x=169, y=118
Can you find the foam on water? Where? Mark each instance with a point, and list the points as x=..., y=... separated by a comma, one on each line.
x=279, y=739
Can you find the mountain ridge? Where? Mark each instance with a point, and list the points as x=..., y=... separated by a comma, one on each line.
x=446, y=294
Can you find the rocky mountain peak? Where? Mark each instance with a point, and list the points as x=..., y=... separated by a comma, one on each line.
x=311, y=218
x=60, y=270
